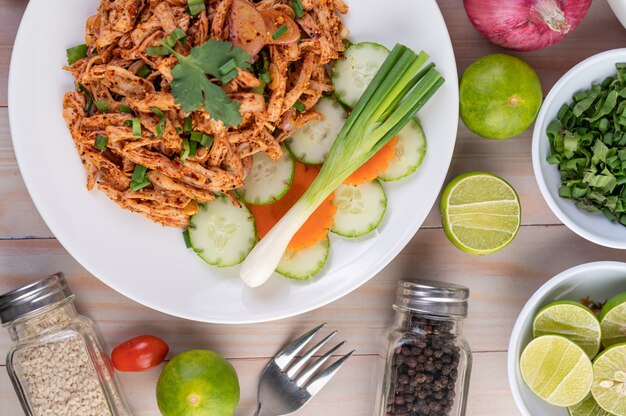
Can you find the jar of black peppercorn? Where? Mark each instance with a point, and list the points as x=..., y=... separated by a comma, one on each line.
x=428, y=362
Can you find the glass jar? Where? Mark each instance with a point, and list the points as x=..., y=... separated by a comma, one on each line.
x=57, y=364
x=427, y=361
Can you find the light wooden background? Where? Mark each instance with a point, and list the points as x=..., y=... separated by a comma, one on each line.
x=500, y=283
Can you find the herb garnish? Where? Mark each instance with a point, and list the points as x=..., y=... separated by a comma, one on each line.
x=192, y=88
x=76, y=53
x=588, y=143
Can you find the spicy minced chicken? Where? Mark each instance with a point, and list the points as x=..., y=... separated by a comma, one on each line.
x=139, y=115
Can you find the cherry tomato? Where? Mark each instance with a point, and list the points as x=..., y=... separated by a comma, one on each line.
x=140, y=353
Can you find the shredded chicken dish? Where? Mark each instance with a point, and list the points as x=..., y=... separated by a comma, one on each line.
x=173, y=97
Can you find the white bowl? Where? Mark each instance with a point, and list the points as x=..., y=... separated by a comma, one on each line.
x=619, y=8
x=600, y=280
x=593, y=227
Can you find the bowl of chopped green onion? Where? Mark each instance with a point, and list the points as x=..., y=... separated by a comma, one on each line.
x=579, y=149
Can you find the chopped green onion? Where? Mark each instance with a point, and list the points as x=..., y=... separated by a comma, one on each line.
x=135, y=186
x=196, y=136
x=184, y=154
x=157, y=51
x=125, y=109
x=265, y=77
x=136, y=124
x=279, y=32
x=187, y=238
x=187, y=125
x=299, y=106
x=178, y=130
x=103, y=106
x=160, y=127
x=399, y=89
x=177, y=35
x=193, y=146
x=228, y=66
x=207, y=140
x=76, y=53
x=88, y=97
x=296, y=5
x=144, y=71
x=139, y=174
x=195, y=6
x=101, y=142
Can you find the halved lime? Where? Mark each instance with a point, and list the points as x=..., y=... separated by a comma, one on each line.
x=481, y=212
x=613, y=320
x=588, y=407
x=571, y=320
x=557, y=370
x=609, y=379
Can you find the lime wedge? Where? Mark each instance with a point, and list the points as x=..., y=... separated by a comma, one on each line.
x=588, y=407
x=613, y=320
x=481, y=212
x=571, y=320
x=557, y=370
x=609, y=379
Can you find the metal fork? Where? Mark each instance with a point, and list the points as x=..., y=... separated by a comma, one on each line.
x=285, y=387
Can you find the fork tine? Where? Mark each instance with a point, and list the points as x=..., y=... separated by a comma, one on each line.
x=324, y=377
x=306, y=357
x=284, y=357
x=308, y=373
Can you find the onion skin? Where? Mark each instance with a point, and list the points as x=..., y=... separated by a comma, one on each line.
x=526, y=25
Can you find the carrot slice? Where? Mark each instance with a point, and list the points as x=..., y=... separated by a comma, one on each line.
x=315, y=229
x=376, y=165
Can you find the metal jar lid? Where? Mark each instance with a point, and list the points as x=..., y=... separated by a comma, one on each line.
x=27, y=299
x=434, y=298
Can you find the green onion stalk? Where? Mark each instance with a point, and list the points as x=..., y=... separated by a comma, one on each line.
x=399, y=89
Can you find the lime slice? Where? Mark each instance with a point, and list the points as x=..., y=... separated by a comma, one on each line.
x=613, y=320
x=557, y=370
x=571, y=320
x=588, y=407
x=481, y=212
x=609, y=379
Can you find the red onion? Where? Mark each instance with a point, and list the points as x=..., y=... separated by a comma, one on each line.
x=526, y=25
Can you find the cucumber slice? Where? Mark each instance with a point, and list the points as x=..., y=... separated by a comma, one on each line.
x=360, y=208
x=409, y=153
x=352, y=75
x=313, y=141
x=221, y=233
x=305, y=263
x=268, y=181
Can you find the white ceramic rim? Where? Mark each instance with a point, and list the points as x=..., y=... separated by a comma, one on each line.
x=56, y=227
x=539, y=135
x=512, y=355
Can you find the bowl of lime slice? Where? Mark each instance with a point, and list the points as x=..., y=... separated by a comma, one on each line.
x=563, y=348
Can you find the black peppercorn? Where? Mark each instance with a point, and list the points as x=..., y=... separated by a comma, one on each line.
x=424, y=370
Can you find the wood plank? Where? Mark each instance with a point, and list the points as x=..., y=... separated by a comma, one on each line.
x=351, y=393
x=500, y=285
x=10, y=15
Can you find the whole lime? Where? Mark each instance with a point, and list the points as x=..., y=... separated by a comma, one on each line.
x=198, y=383
x=500, y=96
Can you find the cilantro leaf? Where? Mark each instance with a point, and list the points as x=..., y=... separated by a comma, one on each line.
x=192, y=88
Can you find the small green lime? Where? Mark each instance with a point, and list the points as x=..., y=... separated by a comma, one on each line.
x=198, y=383
x=500, y=96
x=571, y=320
x=613, y=320
x=609, y=379
x=588, y=407
x=481, y=212
x=557, y=370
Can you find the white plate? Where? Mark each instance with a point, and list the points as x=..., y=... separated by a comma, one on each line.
x=600, y=280
x=149, y=263
x=592, y=226
x=619, y=8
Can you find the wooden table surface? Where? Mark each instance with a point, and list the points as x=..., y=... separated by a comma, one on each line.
x=500, y=283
